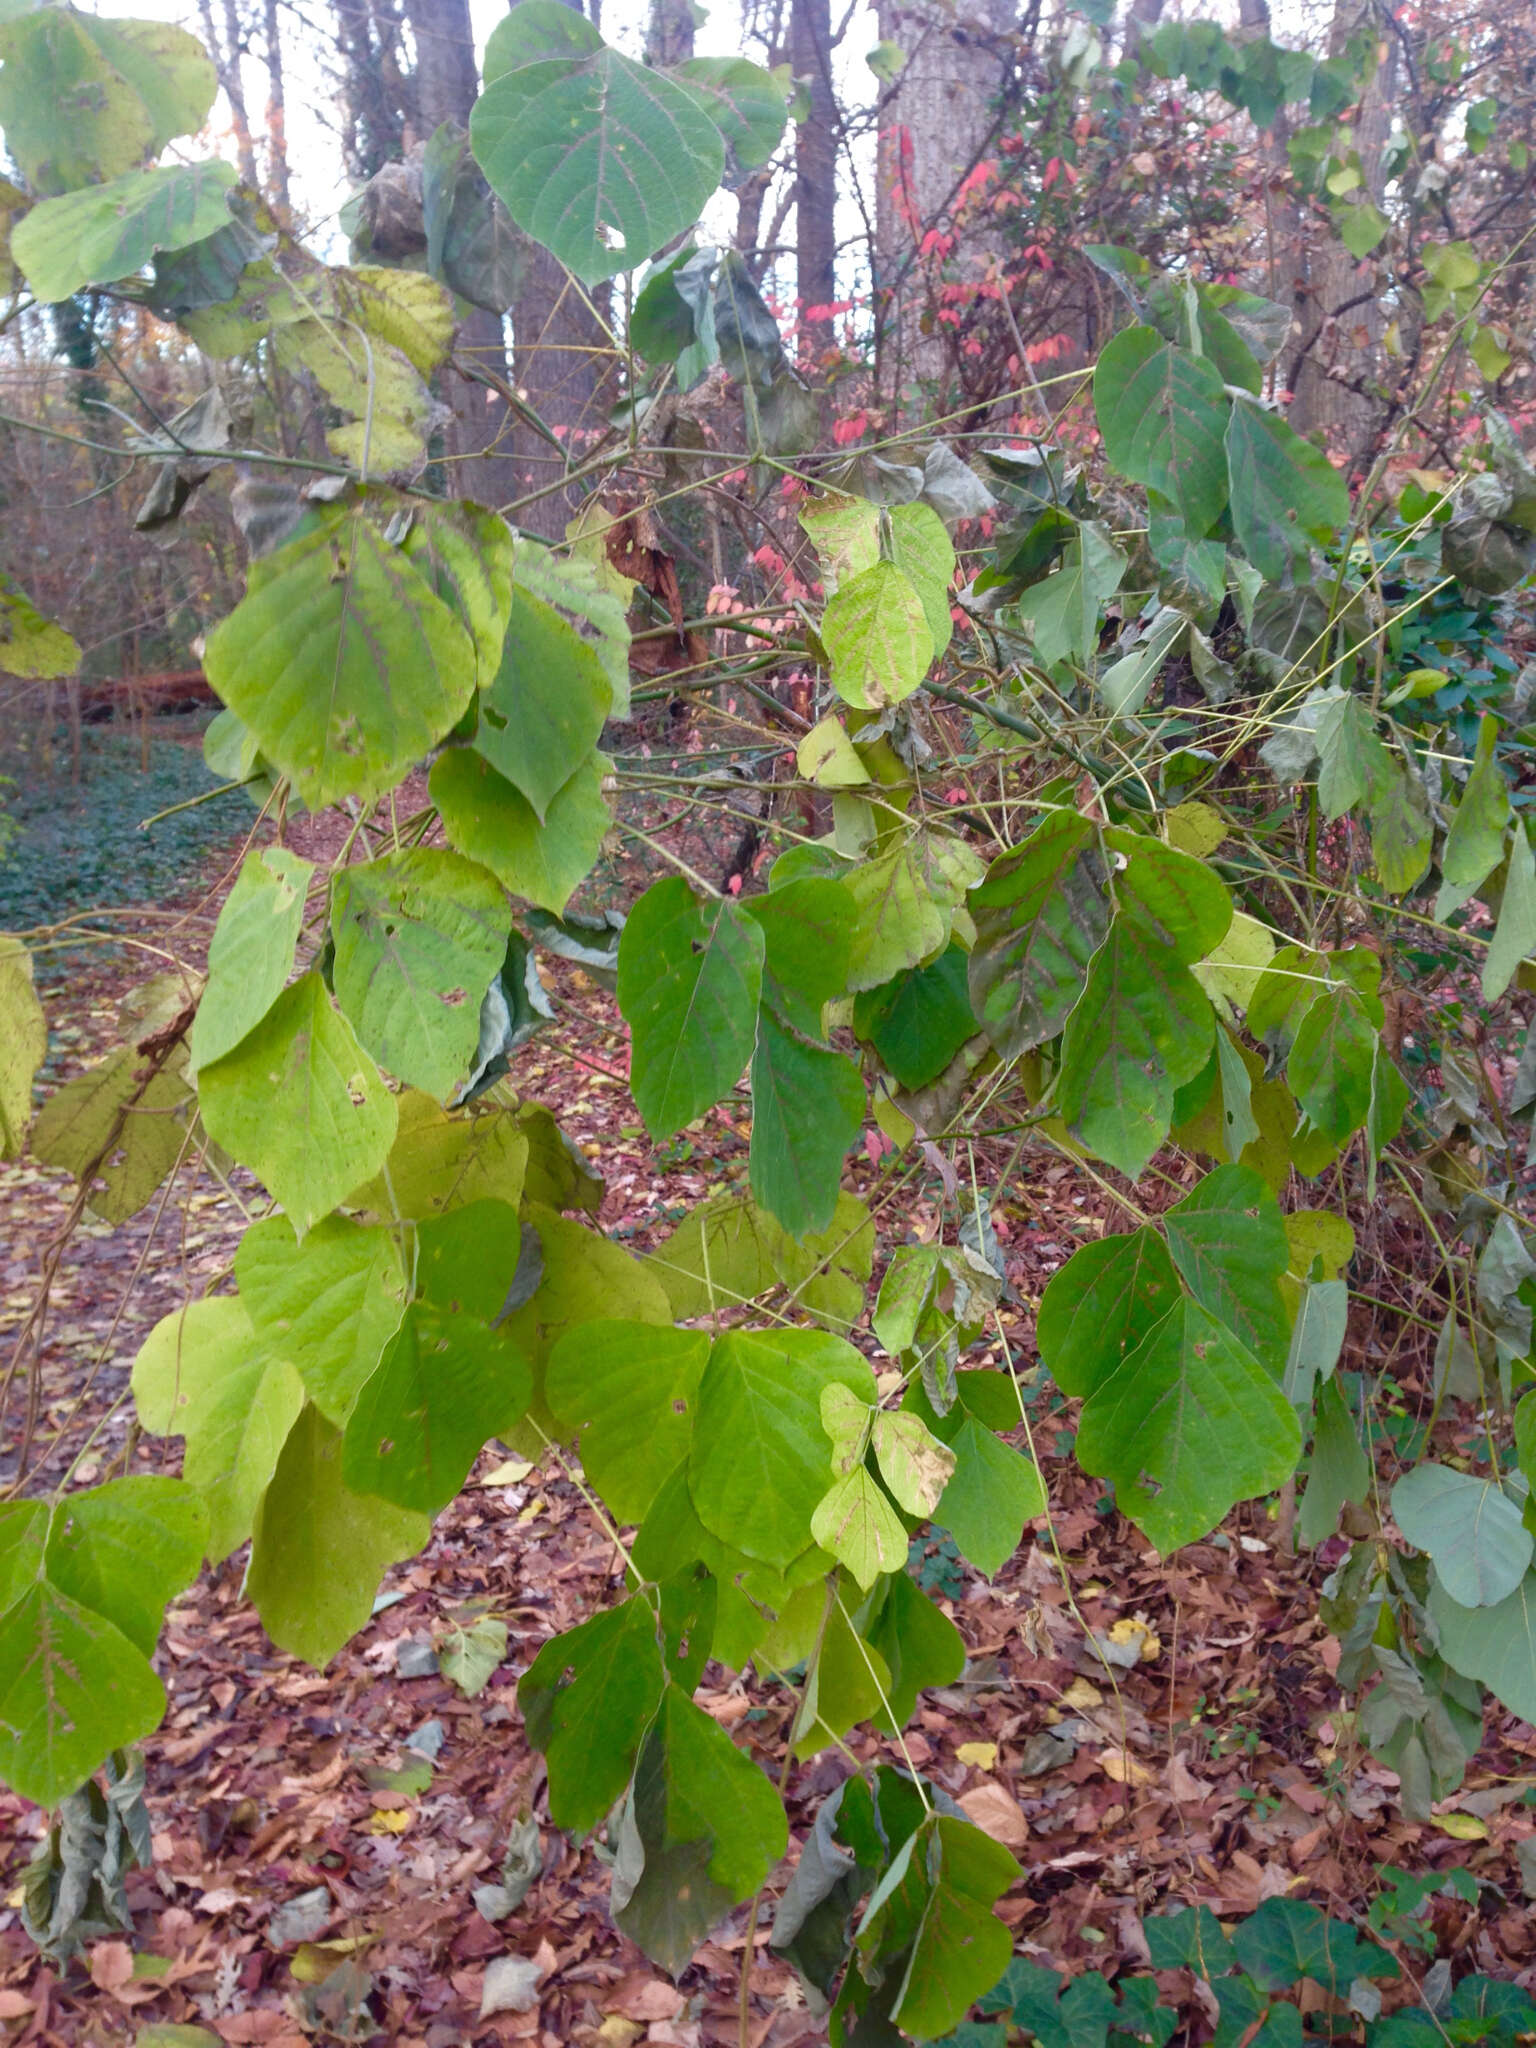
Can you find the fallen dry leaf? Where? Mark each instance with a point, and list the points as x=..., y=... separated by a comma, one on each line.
x=997, y=1813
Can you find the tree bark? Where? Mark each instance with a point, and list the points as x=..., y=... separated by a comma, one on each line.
x=935, y=124
x=446, y=83
x=277, y=112
x=563, y=368
x=810, y=48
x=226, y=63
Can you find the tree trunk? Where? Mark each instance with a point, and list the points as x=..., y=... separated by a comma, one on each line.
x=446, y=83
x=1344, y=315
x=226, y=63
x=669, y=33
x=563, y=367
x=277, y=113
x=936, y=123
x=810, y=47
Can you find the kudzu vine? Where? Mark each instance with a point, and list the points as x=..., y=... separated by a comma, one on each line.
x=1107, y=951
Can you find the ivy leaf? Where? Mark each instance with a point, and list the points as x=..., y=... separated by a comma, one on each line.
x=1514, y=939
x=1471, y=1528
x=587, y=1699
x=106, y=232
x=690, y=975
x=1285, y=493
x=444, y=1385
x=489, y=819
x=1286, y=1939
x=329, y=1302
x=807, y=1112
x=126, y=1549
x=250, y=955
x=343, y=659
x=301, y=1104
x=600, y=159
x=702, y=1830
x=992, y=1493
x=203, y=1374
x=1106, y=1300
x=544, y=712
x=1162, y=412
x=876, y=631
x=318, y=1549
x=1474, y=845
x=757, y=1469
x=1041, y=915
x=628, y=1391
x=23, y=1044
x=72, y=1689
x=1228, y=1240
x=856, y=1524
x=1189, y=1424
x=420, y=936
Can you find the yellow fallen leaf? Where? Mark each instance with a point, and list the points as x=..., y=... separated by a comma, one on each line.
x=982, y=1755
x=1081, y=1694
x=393, y=1821
x=534, y=1507
x=510, y=1472
x=1132, y=1629
x=313, y=1961
x=1125, y=1769
x=618, y=2032
x=1462, y=1827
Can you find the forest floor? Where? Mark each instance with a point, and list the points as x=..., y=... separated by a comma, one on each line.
x=295, y=1895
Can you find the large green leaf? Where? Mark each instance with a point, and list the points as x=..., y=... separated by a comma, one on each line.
x=1496, y=1645
x=1065, y=611
x=105, y=232
x=83, y=99
x=1141, y=1029
x=444, y=1385
x=126, y=1548
x=1514, y=938
x=761, y=1459
x=343, y=659
x=488, y=818
x=919, y=1021
x=300, y=1103
x=690, y=975
x=118, y=1128
x=807, y=1111
x=628, y=1391
x=708, y=1825
x=420, y=936
x=587, y=1699
x=904, y=904
x=599, y=158
x=1188, y=1425
x=250, y=955
x=319, y=1550
x=807, y=934
x=544, y=712
x=745, y=102
x=72, y=1689
x=329, y=1302
x=920, y=1645
x=1228, y=1240
x=1101, y=1306
x=1471, y=1528
x=924, y=553
x=875, y=629
x=203, y=1374
x=1286, y=494
x=1041, y=915
x=441, y=1159
x=1163, y=412
x=1332, y=1062
x=23, y=1044
x=467, y=1261
x=1353, y=764
x=929, y=1929
x=993, y=1491
x=1402, y=829
x=32, y=645
x=1474, y=845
